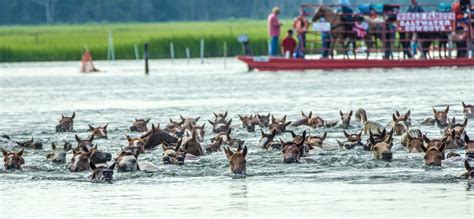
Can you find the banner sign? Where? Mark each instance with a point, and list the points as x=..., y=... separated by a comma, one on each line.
x=322, y=26
x=426, y=22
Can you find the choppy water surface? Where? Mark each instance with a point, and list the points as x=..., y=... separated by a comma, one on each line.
x=330, y=183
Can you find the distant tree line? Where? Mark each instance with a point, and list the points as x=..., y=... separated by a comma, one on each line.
x=82, y=11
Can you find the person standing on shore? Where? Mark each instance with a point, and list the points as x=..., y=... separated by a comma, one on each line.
x=274, y=30
x=300, y=25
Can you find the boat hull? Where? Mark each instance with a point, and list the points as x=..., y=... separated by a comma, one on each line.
x=280, y=64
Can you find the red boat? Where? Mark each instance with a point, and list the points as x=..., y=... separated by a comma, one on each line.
x=435, y=26
x=278, y=64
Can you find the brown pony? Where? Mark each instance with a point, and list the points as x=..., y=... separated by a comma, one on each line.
x=172, y=154
x=346, y=119
x=136, y=145
x=30, y=144
x=404, y=118
x=189, y=123
x=237, y=160
x=468, y=147
x=415, y=143
x=440, y=118
x=140, y=125
x=398, y=125
x=65, y=124
x=13, y=160
x=102, y=173
x=227, y=139
x=220, y=127
x=302, y=121
x=127, y=161
x=469, y=175
x=214, y=146
x=434, y=155
x=264, y=120
x=87, y=143
x=249, y=122
x=453, y=139
x=468, y=110
x=267, y=141
x=381, y=150
x=315, y=141
x=99, y=132
x=220, y=117
x=292, y=151
x=175, y=128
x=382, y=136
x=339, y=32
x=191, y=145
x=155, y=136
x=58, y=155
x=352, y=140
x=80, y=160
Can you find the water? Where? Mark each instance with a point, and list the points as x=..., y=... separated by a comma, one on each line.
x=330, y=183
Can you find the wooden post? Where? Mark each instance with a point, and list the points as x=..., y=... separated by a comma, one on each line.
x=202, y=51
x=188, y=54
x=145, y=56
x=172, y=52
x=137, y=57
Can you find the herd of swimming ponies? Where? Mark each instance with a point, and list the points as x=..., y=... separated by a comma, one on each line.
x=181, y=141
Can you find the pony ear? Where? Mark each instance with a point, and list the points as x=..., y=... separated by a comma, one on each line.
x=397, y=113
x=340, y=143
x=424, y=148
x=463, y=104
x=408, y=114
x=434, y=111
x=210, y=122
x=215, y=114
x=346, y=134
x=282, y=143
x=324, y=136
x=284, y=118
x=465, y=122
x=293, y=134
x=105, y=126
x=147, y=120
x=350, y=113
x=244, y=151
x=225, y=114
x=91, y=138
x=53, y=146
x=112, y=166
x=466, y=139
x=62, y=116
x=229, y=122
x=91, y=128
x=309, y=115
x=77, y=138
x=447, y=109
x=228, y=152
x=73, y=115
x=239, y=148
x=394, y=118
x=467, y=165
x=5, y=153
x=426, y=139
x=129, y=139
x=302, y=114
x=263, y=133
x=197, y=119
x=340, y=113
x=92, y=165
x=442, y=147
x=20, y=153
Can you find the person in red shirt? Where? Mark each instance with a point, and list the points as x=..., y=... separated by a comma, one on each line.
x=288, y=44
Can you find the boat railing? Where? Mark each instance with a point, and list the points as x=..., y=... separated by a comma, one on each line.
x=385, y=38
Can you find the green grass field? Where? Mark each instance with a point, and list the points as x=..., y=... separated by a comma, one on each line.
x=66, y=42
